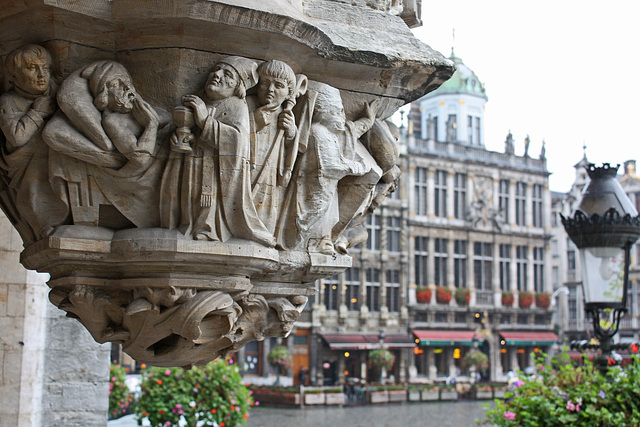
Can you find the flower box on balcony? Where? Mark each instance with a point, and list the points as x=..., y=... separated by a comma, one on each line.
x=507, y=299
x=423, y=295
x=462, y=296
x=525, y=299
x=443, y=295
x=543, y=300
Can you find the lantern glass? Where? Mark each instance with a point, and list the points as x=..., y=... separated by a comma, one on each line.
x=603, y=276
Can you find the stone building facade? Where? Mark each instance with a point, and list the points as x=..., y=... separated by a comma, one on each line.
x=462, y=218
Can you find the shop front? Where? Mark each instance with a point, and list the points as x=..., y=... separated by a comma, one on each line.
x=439, y=353
x=517, y=347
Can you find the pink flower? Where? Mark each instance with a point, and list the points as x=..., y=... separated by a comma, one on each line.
x=570, y=406
x=508, y=415
x=167, y=372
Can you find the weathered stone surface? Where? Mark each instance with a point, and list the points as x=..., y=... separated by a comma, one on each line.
x=192, y=166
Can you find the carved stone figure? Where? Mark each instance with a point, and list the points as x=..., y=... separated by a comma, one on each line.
x=527, y=142
x=452, y=129
x=332, y=155
x=208, y=193
x=25, y=189
x=105, y=148
x=508, y=144
x=273, y=132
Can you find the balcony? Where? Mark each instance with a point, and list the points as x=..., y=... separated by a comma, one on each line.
x=484, y=298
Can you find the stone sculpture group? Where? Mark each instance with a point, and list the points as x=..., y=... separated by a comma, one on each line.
x=261, y=157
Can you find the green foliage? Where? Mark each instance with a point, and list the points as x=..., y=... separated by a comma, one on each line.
x=477, y=359
x=204, y=396
x=462, y=296
x=381, y=358
x=280, y=358
x=119, y=397
x=563, y=394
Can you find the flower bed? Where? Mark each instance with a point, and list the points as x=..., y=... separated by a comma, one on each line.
x=280, y=396
x=314, y=397
x=334, y=396
x=397, y=394
x=448, y=392
x=378, y=395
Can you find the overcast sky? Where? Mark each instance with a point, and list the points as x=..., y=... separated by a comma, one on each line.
x=565, y=71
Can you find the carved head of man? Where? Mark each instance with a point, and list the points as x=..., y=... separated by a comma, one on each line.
x=231, y=76
x=329, y=110
x=111, y=85
x=29, y=69
x=276, y=83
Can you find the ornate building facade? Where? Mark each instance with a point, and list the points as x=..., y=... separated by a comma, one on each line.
x=469, y=226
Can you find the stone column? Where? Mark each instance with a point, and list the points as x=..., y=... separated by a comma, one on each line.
x=53, y=372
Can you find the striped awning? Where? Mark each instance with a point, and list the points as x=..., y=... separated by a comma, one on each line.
x=529, y=338
x=442, y=337
x=366, y=341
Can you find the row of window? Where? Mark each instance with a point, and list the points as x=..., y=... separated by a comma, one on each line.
x=483, y=264
x=374, y=228
x=440, y=195
x=473, y=128
x=373, y=289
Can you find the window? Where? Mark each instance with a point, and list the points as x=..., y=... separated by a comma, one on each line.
x=521, y=268
x=556, y=277
x=476, y=131
x=393, y=234
x=373, y=228
x=538, y=269
x=421, y=191
x=330, y=287
x=503, y=199
x=470, y=129
x=352, y=288
x=460, y=195
x=521, y=202
x=536, y=205
x=372, y=283
x=505, y=266
x=440, y=261
x=452, y=128
x=483, y=265
x=440, y=194
x=421, y=255
x=252, y=358
x=393, y=290
x=460, y=263
x=571, y=260
x=555, y=248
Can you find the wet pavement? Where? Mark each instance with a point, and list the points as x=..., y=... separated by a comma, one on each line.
x=436, y=414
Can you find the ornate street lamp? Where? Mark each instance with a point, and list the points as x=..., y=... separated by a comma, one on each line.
x=604, y=227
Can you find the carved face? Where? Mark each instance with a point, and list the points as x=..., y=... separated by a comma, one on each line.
x=33, y=76
x=332, y=117
x=272, y=91
x=121, y=95
x=222, y=82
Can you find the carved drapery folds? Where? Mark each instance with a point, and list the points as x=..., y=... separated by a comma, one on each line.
x=185, y=207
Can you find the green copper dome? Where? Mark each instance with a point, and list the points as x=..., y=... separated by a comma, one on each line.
x=463, y=80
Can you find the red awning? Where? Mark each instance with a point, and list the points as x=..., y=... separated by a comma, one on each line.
x=529, y=338
x=366, y=342
x=444, y=337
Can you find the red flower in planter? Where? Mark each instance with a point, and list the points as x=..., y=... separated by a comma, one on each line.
x=462, y=296
x=423, y=295
x=443, y=295
x=543, y=300
x=525, y=299
x=507, y=299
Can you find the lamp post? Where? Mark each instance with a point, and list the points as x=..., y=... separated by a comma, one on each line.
x=604, y=226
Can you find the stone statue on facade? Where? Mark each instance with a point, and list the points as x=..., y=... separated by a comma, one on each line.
x=31, y=202
x=509, y=147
